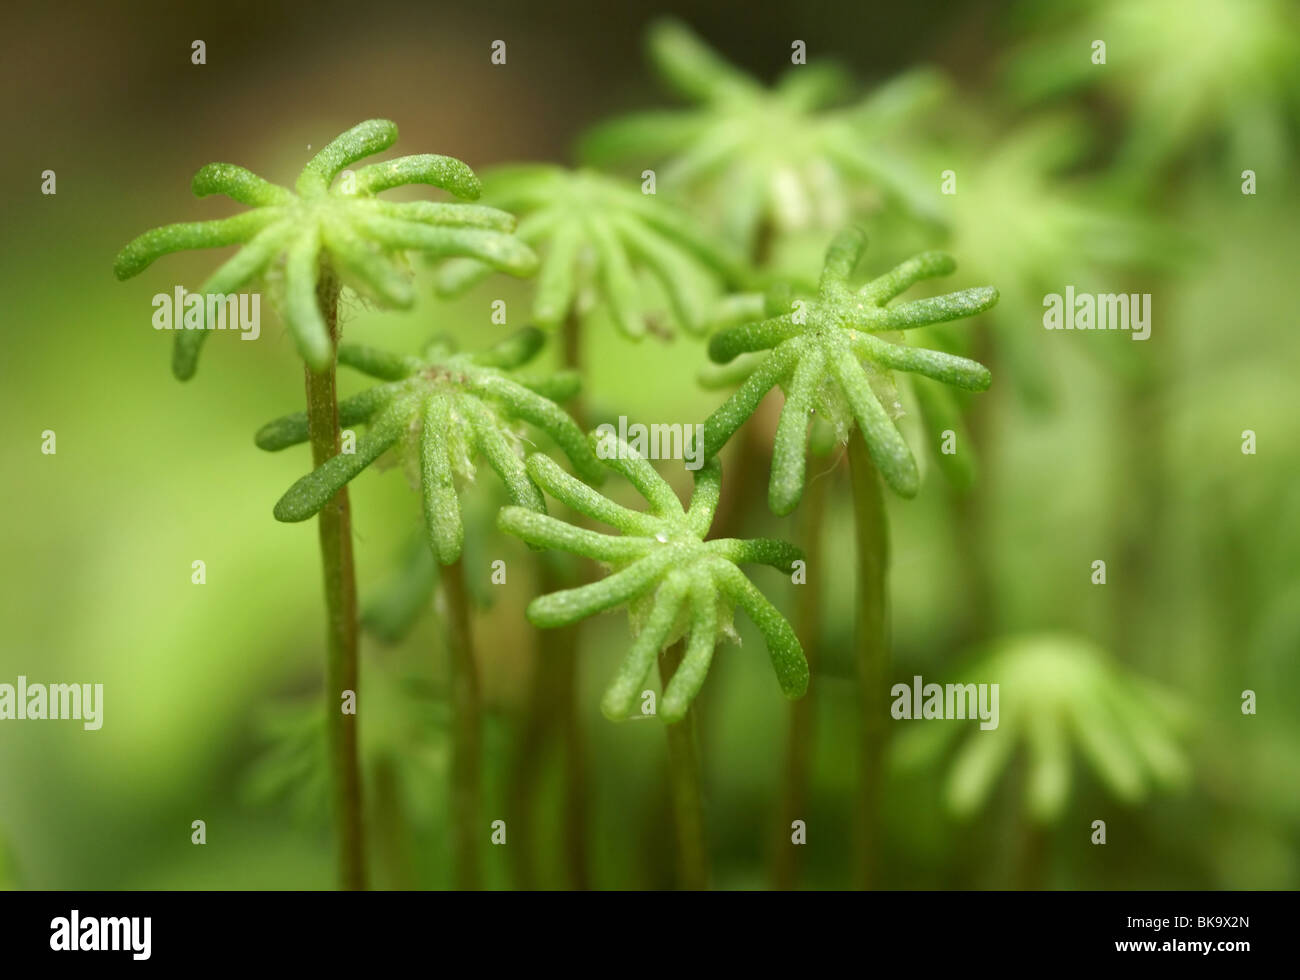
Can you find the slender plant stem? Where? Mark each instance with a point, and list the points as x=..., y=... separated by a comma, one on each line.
x=568, y=679
x=800, y=734
x=392, y=840
x=341, y=670
x=686, y=787
x=980, y=618
x=552, y=713
x=525, y=772
x=871, y=643
x=467, y=750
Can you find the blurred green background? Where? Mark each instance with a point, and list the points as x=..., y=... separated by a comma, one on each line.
x=1090, y=446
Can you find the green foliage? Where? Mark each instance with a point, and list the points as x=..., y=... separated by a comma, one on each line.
x=777, y=157
x=593, y=230
x=1185, y=70
x=825, y=354
x=1055, y=689
x=345, y=227
x=447, y=407
x=675, y=580
x=1015, y=217
x=409, y=728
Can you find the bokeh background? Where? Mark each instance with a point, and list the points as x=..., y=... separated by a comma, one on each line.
x=1090, y=446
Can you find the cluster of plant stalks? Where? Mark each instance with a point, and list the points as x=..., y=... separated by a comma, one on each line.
x=696, y=255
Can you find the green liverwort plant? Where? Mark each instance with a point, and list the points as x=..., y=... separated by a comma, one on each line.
x=342, y=226
x=775, y=158
x=446, y=408
x=675, y=584
x=607, y=249
x=311, y=241
x=674, y=580
x=827, y=355
x=442, y=410
x=594, y=231
x=826, y=351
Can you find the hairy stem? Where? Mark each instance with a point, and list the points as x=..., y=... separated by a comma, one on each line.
x=341, y=669
x=800, y=734
x=871, y=645
x=686, y=787
x=467, y=750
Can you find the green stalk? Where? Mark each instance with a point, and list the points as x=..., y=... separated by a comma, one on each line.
x=755, y=453
x=871, y=646
x=392, y=840
x=553, y=705
x=800, y=734
x=567, y=680
x=466, y=763
x=341, y=670
x=686, y=787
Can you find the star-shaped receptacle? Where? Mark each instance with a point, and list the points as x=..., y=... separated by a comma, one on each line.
x=674, y=581
x=446, y=409
x=825, y=352
x=1055, y=690
x=337, y=223
x=596, y=233
x=792, y=155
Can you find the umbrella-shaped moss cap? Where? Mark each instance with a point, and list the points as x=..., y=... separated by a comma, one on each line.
x=1054, y=691
x=339, y=223
x=825, y=352
x=786, y=155
x=675, y=581
x=446, y=409
x=597, y=234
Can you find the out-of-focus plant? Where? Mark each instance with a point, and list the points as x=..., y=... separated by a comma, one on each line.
x=595, y=234
x=405, y=751
x=442, y=411
x=1185, y=70
x=320, y=236
x=675, y=583
x=1056, y=691
x=770, y=160
x=1016, y=218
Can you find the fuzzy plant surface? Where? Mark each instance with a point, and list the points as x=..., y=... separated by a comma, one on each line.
x=788, y=156
x=936, y=405
x=598, y=237
x=829, y=357
x=342, y=224
x=1055, y=691
x=443, y=409
x=673, y=580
